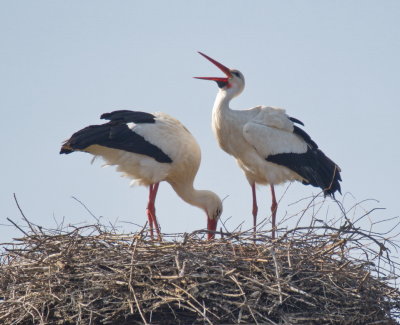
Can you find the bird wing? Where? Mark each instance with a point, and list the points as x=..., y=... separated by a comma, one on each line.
x=273, y=117
x=277, y=140
x=271, y=131
x=277, y=118
x=267, y=140
x=117, y=134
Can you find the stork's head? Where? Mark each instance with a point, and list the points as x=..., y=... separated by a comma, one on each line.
x=212, y=205
x=233, y=83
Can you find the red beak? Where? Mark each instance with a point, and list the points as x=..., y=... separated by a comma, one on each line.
x=223, y=68
x=212, y=226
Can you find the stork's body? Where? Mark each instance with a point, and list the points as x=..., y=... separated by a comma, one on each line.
x=150, y=148
x=267, y=144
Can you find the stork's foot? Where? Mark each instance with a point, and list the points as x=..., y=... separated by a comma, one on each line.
x=255, y=209
x=151, y=215
x=150, y=219
x=274, y=208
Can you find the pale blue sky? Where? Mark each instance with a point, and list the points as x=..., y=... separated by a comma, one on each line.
x=332, y=64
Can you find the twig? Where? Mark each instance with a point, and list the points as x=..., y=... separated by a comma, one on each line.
x=16, y=226
x=23, y=215
x=86, y=208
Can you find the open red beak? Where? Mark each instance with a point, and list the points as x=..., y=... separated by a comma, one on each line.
x=223, y=68
x=212, y=226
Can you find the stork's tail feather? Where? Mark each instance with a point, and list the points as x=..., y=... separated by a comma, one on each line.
x=314, y=167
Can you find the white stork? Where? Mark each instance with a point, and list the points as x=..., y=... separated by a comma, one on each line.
x=150, y=148
x=267, y=144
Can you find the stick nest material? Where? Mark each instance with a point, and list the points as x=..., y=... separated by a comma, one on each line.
x=93, y=275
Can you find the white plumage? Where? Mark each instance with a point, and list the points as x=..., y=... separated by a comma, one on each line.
x=150, y=148
x=169, y=135
x=267, y=144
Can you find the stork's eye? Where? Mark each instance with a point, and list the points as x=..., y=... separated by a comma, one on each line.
x=236, y=73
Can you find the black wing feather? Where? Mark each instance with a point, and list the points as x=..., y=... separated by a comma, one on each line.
x=129, y=116
x=304, y=135
x=295, y=120
x=314, y=167
x=116, y=134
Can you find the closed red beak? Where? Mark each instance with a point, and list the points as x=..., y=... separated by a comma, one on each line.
x=212, y=227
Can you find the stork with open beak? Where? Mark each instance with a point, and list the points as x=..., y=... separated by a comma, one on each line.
x=150, y=148
x=267, y=145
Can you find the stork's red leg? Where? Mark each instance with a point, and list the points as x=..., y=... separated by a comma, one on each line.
x=153, y=210
x=255, y=207
x=274, y=207
x=148, y=211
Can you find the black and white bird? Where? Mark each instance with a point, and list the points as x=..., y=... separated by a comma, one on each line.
x=267, y=144
x=150, y=148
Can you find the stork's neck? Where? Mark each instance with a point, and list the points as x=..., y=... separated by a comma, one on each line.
x=190, y=195
x=226, y=122
x=221, y=110
x=222, y=101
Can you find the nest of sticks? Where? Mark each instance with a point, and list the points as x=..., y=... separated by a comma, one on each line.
x=95, y=275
